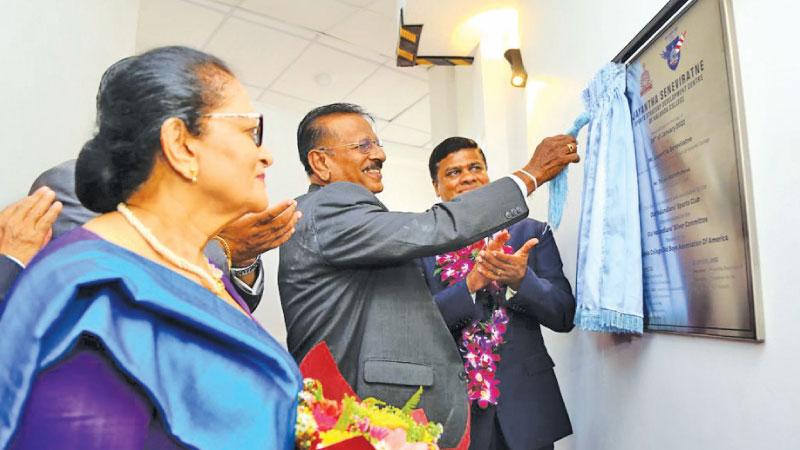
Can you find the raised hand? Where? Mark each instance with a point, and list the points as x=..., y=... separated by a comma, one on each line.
x=550, y=158
x=255, y=233
x=475, y=280
x=495, y=265
x=26, y=226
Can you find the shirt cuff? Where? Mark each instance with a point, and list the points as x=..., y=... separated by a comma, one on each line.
x=510, y=293
x=520, y=184
x=258, y=284
x=18, y=262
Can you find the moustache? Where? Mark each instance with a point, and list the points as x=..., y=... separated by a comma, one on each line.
x=375, y=165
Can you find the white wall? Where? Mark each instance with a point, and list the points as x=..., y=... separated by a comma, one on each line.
x=285, y=179
x=54, y=53
x=664, y=391
x=406, y=182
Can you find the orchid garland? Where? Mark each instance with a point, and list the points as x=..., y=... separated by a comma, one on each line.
x=480, y=341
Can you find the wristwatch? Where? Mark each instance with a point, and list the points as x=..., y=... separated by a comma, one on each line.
x=242, y=271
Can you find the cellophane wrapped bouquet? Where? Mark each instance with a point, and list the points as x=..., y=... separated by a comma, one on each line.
x=343, y=421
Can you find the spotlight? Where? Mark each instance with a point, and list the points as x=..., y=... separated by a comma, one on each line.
x=519, y=77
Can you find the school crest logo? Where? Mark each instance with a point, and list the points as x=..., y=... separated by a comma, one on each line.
x=645, y=83
x=672, y=53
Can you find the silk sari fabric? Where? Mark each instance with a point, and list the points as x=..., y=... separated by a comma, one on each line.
x=217, y=379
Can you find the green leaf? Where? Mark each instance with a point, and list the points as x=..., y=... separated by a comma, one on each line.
x=412, y=402
x=348, y=405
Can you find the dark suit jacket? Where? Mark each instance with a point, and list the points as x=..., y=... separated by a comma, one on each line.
x=348, y=277
x=9, y=271
x=530, y=409
x=61, y=179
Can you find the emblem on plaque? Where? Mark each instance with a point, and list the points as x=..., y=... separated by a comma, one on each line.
x=672, y=53
x=645, y=82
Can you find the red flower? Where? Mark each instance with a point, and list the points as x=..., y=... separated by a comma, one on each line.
x=464, y=252
x=464, y=267
x=326, y=413
x=445, y=259
x=489, y=392
x=487, y=360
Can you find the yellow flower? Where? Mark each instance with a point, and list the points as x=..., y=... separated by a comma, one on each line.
x=331, y=437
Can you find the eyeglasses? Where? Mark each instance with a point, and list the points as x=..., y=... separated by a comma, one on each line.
x=258, y=131
x=363, y=146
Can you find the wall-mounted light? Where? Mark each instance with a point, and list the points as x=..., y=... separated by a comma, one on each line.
x=519, y=77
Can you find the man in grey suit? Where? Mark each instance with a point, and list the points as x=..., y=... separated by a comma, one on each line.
x=245, y=238
x=348, y=276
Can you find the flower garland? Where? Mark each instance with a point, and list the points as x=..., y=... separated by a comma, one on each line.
x=480, y=341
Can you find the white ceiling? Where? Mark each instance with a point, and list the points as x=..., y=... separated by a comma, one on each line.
x=298, y=54
x=454, y=27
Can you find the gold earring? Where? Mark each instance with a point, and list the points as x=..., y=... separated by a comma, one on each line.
x=193, y=175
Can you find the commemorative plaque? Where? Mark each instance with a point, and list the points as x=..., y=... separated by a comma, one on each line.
x=698, y=248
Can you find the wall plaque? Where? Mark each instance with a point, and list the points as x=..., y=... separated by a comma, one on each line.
x=700, y=272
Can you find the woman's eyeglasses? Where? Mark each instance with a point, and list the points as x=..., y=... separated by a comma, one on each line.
x=258, y=131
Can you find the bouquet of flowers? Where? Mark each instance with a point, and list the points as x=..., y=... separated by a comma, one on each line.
x=331, y=416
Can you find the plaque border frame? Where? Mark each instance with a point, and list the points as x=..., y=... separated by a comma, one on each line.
x=665, y=18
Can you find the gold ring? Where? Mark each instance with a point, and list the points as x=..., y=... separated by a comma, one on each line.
x=570, y=147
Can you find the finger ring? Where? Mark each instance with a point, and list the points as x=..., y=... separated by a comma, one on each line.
x=570, y=147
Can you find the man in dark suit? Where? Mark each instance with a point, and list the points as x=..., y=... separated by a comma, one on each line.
x=529, y=413
x=245, y=238
x=25, y=227
x=348, y=276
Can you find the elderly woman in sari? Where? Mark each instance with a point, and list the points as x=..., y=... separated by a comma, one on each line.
x=120, y=334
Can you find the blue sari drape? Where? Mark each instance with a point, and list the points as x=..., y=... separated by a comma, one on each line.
x=609, y=272
x=218, y=380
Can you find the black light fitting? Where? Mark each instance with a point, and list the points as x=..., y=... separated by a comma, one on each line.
x=519, y=77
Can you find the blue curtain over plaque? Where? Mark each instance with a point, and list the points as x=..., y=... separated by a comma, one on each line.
x=609, y=274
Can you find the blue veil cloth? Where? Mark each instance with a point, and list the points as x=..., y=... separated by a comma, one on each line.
x=665, y=299
x=609, y=273
x=218, y=380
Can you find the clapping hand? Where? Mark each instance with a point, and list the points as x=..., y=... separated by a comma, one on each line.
x=254, y=233
x=495, y=265
x=26, y=226
x=475, y=279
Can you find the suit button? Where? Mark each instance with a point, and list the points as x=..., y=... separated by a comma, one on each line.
x=508, y=214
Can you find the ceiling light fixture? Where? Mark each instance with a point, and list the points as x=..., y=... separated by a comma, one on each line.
x=519, y=77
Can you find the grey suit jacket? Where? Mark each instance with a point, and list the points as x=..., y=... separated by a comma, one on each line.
x=348, y=277
x=61, y=179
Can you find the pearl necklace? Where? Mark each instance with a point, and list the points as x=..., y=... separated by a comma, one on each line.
x=212, y=277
